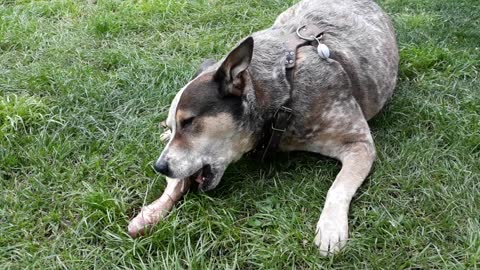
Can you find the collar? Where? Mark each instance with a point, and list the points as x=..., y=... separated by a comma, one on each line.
x=275, y=127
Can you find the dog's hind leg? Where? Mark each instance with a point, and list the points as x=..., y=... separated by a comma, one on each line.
x=152, y=213
x=287, y=15
x=332, y=227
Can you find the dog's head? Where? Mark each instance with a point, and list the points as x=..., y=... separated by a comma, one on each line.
x=207, y=121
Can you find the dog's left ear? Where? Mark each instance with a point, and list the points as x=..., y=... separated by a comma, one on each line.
x=231, y=74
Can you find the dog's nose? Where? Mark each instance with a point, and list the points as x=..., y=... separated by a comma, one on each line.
x=162, y=167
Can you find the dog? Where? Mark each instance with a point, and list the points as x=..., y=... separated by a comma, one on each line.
x=310, y=82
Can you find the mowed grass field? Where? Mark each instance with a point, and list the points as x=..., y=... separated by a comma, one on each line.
x=85, y=84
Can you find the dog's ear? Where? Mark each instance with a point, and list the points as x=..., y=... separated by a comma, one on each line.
x=203, y=66
x=231, y=74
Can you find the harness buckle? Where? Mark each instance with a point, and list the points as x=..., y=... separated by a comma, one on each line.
x=289, y=59
x=278, y=125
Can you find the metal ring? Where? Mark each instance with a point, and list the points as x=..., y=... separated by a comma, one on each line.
x=311, y=38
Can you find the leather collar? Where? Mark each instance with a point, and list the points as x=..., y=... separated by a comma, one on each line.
x=275, y=127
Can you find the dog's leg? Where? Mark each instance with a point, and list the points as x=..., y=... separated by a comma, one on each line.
x=287, y=15
x=152, y=213
x=332, y=227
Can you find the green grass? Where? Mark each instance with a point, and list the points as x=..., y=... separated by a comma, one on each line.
x=84, y=87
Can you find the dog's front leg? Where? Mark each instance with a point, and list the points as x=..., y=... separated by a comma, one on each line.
x=332, y=227
x=152, y=213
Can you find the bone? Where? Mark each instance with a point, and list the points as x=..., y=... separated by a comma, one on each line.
x=159, y=209
x=165, y=136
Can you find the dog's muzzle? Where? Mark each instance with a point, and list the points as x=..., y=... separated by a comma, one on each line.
x=162, y=167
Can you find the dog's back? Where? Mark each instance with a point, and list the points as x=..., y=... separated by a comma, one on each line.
x=362, y=41
x=255, y=98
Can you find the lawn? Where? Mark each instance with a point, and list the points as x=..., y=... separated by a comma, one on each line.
x=85, y=84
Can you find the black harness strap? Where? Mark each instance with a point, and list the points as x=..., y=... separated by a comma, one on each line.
x=276, y=127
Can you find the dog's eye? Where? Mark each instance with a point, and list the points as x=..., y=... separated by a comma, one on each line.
x=187, y=122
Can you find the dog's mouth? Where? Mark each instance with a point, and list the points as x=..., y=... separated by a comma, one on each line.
x=203, y=176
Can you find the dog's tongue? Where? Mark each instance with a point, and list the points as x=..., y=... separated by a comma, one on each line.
x=199, y=179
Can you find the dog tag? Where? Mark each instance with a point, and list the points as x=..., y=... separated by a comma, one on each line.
x=323, y=51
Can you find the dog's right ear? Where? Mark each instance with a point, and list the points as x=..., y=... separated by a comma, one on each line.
x=203, y=66
x=231, y=73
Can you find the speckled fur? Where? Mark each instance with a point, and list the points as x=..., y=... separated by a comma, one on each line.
x=332, y=100
x=329, y=93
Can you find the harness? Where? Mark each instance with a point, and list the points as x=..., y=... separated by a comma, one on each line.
x=274, y=128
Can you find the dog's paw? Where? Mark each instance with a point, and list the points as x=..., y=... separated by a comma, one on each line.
x=332, y=233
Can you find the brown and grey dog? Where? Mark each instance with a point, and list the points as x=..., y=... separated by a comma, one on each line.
x=332, y=82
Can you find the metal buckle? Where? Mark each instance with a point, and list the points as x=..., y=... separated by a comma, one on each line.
x=277, y=129
x=275, y=117
x=289, y=59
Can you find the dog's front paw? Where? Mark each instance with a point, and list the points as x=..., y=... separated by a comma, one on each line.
x=332, y=233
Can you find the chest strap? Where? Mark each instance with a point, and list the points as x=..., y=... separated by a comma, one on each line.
x=276, y=127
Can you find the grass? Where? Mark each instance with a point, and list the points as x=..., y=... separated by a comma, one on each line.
x=84, y=86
